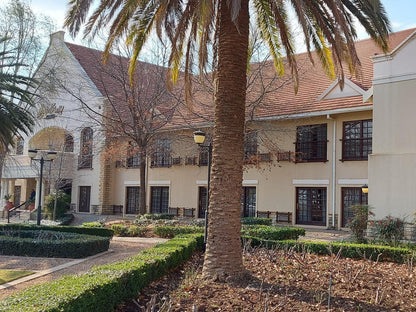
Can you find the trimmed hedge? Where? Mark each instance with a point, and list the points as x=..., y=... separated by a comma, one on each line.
x=128, y=230
x=105, y=287
x=272, y=232
x=260, y=231
x=51, y=244
x=104, y=232
x=346, y=250
x=256, y=221
x=158, y=216
x=171, y=231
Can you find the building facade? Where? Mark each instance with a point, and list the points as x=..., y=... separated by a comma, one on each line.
x=306, y=155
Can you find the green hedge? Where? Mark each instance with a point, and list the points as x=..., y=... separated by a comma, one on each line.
x=105, y=287
x=256, y=221
x=171, y=231
x=128, y=230
x=51, y=244
x=346, y=250
x=260, y=231
x=157, y=216
x=67, y=229
x=272, y=232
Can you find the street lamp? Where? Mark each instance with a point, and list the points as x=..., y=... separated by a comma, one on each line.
x=51, y=156
x=199, y=138
x=364, y=188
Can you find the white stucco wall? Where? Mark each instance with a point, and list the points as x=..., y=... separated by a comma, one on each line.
x=392, y=166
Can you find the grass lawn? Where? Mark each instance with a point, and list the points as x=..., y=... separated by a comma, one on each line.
x=10, y=275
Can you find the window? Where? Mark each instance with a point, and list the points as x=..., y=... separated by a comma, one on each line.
x=250, y=144
x=86, y=141
x=20, y=143
x=202, y=201
x=132, y=200
x=161, y=156
x=159, y=202
x=133, y=157
x=311, y=143
x=351, y=196
x=69, y=143
x=204, y=151
x=85, y=158
x=357, y=139
x=248, y=202
x=311, y=205
x=203, y=156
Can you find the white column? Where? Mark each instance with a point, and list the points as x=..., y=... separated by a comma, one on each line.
x=4, y=191
x=37, y=193
x=11, y=188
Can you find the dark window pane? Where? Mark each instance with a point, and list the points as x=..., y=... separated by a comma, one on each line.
x=19, y=146
x=357, y=140
x=133, y=200
x=159, y=199
x=69, y=143
x=86, y=141
x=248, y=201
x=250, y=144
x=311, y=143
x=311, y=206
x=162, y=154
x=351, y=196
x=85, y=157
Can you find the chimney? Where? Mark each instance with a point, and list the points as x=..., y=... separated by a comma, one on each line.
x=59, y=35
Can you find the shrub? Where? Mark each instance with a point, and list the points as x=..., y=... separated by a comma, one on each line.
x=256, y=221
x=272, y=232
x=68, y=229
x=62, y=204
x=158, y=216
x=93, y=224
x=346, y=250
x=171, y=231
x=51, y=244
x=358, y=223
x=135, y=230
x=119, y=229
x=131, y=230
x=389, y=230
x=105, y=287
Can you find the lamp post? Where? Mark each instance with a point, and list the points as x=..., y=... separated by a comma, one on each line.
x=51, y=156
x=199, y=138
x=364, y=188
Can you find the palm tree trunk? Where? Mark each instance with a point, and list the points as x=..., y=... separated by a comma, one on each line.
x=223, y=256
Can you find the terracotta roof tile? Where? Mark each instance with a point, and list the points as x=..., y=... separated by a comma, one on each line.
x=279, y=101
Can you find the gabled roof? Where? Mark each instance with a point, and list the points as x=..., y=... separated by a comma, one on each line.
x=279, y=100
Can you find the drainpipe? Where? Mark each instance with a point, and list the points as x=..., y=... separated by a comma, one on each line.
x=333, y=183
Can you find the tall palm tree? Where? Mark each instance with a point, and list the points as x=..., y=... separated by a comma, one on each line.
x=15, y=100
x=193, y=27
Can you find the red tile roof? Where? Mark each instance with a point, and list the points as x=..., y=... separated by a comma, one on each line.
x=279, y=100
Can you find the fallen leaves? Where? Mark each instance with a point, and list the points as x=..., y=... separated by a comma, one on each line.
x=281, y=281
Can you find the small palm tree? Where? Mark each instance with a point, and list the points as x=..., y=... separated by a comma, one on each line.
x=15, y=101
x=193, y=27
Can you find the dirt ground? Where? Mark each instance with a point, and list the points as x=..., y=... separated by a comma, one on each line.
x=286, y=281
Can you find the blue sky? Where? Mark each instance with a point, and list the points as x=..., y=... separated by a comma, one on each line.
x=401, y=13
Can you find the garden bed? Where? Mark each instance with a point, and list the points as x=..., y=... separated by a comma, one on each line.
x=43, y=243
